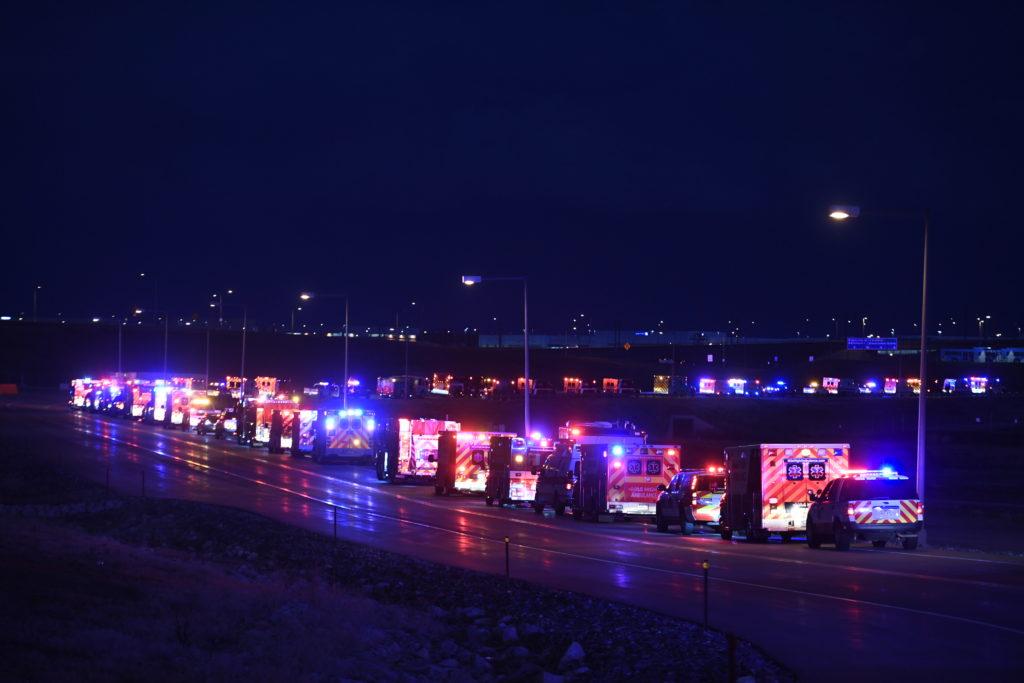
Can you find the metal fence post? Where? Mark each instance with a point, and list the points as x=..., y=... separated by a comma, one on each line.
x=108, y=481
x=706, y=565
x=335, y=507
x=508, y=574
x=143, y=483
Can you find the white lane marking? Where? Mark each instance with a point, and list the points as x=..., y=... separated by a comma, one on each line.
x=591, y=558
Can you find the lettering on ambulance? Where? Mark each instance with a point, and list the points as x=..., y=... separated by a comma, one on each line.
x=635, y=480
x=786, y=474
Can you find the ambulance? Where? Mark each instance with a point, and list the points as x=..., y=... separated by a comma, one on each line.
x=874, y=505
x=141, y=396
x=274, y=423
x=515, y=482
x=622, y=479
x=560, y=472
x=334, y=433
x=407, y=448
x=462, y=461
x=768, y=487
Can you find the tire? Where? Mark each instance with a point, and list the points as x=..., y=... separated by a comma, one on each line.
x=813, y=542
x=879, y=543
x=559, y=510
x=379, y=466
x=489, y=501
x=438, y=490
x=661, y=523
x=842, y=539
x=786, y=537
x=685, y=522
x=909, y=542
x=725, y=532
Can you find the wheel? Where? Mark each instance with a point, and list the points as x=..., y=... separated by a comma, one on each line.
x=786, y=537
x=909, y=542
x=489, y=501
x=725, y=532
x=381, y=474
x=813, y=541
x=438, y=490
x=661, y=522
x=685, y=520
x=559, y=510
x=842, y=539
x=879, y=543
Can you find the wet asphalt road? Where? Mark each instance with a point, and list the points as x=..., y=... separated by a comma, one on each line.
x=825, y=614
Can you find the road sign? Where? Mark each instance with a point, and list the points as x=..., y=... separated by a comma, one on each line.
x=871, y=344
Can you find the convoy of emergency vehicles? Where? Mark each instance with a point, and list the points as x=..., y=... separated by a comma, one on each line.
x=597, y=471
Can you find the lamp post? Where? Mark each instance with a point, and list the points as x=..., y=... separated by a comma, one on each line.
x=469, y=281
x=842, y=213
x=306, y=296
x=405, y=381
x=35, y=303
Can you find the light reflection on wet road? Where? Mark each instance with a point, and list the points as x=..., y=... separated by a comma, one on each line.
x=861, y=611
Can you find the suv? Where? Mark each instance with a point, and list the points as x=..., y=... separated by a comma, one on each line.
x=674, y=502
x=877, y=506
x=555, y=479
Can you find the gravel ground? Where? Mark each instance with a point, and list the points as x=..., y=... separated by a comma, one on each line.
x=267, y=601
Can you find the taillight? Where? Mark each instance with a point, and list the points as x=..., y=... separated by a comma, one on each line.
x=568, y=487
x=920, y=510
x=849, y=511
x=773, y=501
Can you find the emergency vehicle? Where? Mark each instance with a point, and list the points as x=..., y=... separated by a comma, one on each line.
x=80, y=390
x=517, y=484
x=874, y=505
x=407, y=448
x=706, y=491
x=462, y=461
x=768, y=486
x=558, y=483
x=617, y=479
x=274, y=423
x=331, y=433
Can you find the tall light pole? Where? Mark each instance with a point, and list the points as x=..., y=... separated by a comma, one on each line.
x=306, y=296
x=405, y=381
x=842, y=213
x=469, y=281
x=35, y=303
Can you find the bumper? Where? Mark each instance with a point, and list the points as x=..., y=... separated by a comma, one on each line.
x=877, y=532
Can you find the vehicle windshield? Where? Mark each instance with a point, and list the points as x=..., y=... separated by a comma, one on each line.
x=874, y=489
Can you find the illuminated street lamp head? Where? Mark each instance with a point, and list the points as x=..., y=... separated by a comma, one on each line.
x=305, y=296
x=470, y=280
x=841, y=213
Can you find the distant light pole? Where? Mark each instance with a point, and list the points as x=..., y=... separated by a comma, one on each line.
x=864, y=326
x=981, y=326
x=842, y=213
x=469, y=281
x=35, y=303
x=405, y=382
x=306, y=296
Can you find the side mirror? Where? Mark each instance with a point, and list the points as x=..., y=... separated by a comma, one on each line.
x=811, y=495
x=661, y=487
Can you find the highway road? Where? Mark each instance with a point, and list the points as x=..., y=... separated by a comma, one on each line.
x=844, y=616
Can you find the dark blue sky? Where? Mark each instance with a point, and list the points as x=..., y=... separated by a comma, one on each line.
x=639, y=161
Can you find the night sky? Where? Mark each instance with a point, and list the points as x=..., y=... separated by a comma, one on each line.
x=639, y=161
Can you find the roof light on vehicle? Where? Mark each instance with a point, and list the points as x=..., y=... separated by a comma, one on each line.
x=616, y=464
x=618, y=450
x=371, y=424
x=330, y=423
x=670, y=451
x=575, y=431
x=536, y=436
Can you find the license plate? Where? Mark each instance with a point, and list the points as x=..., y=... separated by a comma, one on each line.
x=887, y=513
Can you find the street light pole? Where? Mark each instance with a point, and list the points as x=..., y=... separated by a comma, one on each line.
x=470, y=280
x=344, y=388
x=923, y=369
x=35, y=303
x=842, y=213
x=167, y=328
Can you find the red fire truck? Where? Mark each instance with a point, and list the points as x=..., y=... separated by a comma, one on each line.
x=462, y=461
x=768, y=486
x=274, y=423
x=407, y=448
